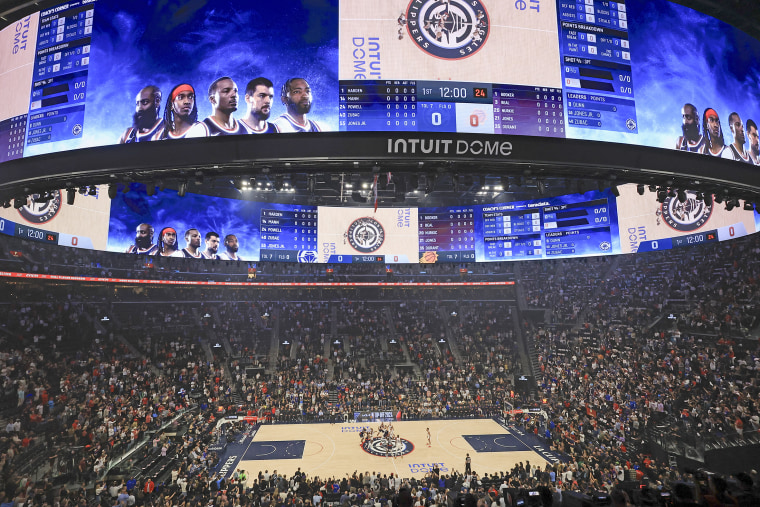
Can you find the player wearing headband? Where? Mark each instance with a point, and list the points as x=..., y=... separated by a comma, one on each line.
x=296, y=95
x=713, y=133
x=230, y=249
x=167, y=243
x=258, y=97
x=223, y=95
x=692, y=139
x=146, y=121
x=180, y=113
x=737, y=147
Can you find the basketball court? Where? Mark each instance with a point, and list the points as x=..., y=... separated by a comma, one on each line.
x=334, y=450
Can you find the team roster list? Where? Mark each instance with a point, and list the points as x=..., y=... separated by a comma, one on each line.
x=289, y=235
x=448, y=232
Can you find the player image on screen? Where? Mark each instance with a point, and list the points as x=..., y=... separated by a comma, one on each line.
x=167, y=243
x=223, y=95
x=146, y=120
x=180, y=113
x=212, y=245
x=692, y=139
x=258, y=97
x=754, y=141
x=143, y=241
x=737, y=129
x=714, y=142
x=296, y=96
x=230, y=249
x=193, y=244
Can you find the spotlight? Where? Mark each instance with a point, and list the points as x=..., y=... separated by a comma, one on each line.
x=112, y=190
x=126, y=188
x=93, y=190
x=150, y=189
x=729, y=205
x=671, y=192
x=718, y=198
x=70, y=196
x=653, y=188
x=19, y=202
x=640, y=189
x=699, y=197
x=278, y=182
x=182, y=188
x=541, y=186
x=616, y=192
x=749, y=206
x=709, y=199
x=662, y=194
x=681, y=195
x=6, y=204
x=83, y=190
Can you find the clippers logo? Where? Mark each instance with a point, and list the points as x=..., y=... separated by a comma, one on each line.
x=365, y=235
x=448, y=29
x=383, y=447
x=307, y=256
x=41, y=212
x=687, y=216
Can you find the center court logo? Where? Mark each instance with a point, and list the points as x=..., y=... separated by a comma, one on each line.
x=383, y=447
x=41, y=212
x=448, y=29
x=686, y=216
x=365, y=234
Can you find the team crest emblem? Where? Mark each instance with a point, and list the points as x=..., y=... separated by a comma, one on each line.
x=448, y=29
x=384, y=447
x=686, y=216
x=365, y=234
x=307, y=256
x=41, y=212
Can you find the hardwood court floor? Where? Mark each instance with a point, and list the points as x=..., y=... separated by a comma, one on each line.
x=334, y=450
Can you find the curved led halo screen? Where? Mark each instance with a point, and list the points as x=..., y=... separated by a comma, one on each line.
x=576, y=225
x=644, y=72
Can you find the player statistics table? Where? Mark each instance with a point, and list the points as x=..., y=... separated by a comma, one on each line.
x=447, y=234
x=289, y=235
x=56, y=108
x=538, y=230
x=596, y=65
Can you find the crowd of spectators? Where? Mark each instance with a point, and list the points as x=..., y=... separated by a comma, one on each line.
x=630, y=344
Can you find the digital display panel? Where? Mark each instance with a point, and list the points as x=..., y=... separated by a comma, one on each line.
x=205, y=227
x=99, y=72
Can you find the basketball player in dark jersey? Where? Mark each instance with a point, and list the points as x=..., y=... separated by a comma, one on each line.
x=692, y=139
x=223, y=95
x=258, y=97
x=143, y=241
x=754, y=141
x=146, y=121
x=180, y=113
x=737, y=147
x=713, y=133
x=193, y=241
x=296, y=96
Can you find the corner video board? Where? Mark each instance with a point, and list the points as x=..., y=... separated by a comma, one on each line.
x=651, y=73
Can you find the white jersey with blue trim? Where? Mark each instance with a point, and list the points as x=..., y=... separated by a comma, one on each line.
x=226, y=256
x=723, y=153
x=287, y=123
x=738, y=156
x=692, y=146
x=161, y=134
